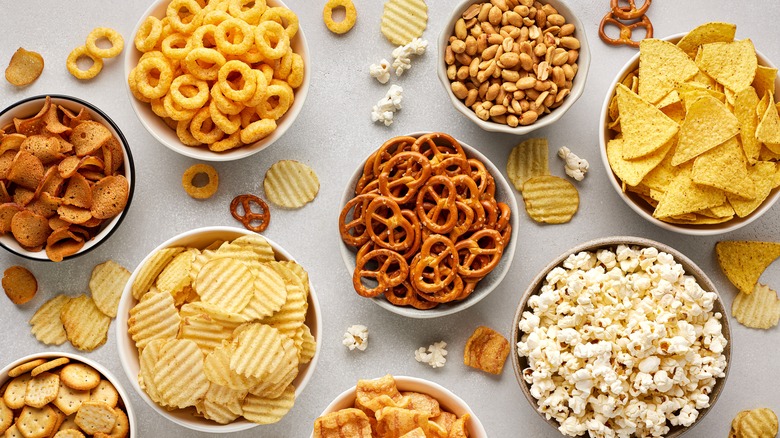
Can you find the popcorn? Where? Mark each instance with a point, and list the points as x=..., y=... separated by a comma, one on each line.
x=403, y=54
x=622, y=343
x=381, y=71
x=435, y=357
x=575, y=166
x=384, y=110
x=356, y=337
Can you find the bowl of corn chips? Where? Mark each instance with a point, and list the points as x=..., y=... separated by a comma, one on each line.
x=424, y=408
x=44, y=393
x=691, y=133
x=218, y=330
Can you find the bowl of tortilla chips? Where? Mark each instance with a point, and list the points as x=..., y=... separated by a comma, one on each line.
x=691, y=132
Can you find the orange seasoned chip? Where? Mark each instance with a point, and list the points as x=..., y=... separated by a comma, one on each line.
x=25, y=67
x=392, y=421
x=349, y=422
x=19, y=284
x=486, y=350
x=369, y=394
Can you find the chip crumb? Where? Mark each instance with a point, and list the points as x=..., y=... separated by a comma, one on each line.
x=356, y=337
x=435, y=355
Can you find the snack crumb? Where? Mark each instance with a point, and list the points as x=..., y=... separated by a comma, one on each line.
x=385, y=109
x=435, y=355
x=575, y=166
x=356, y=336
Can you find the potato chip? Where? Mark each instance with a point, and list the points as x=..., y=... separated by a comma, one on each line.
x=290, y=184
x=636, y=115
x=106, y=285
x=308, y=346
x=662, y=66
x=258, y=244
x=707, y=124
x=768, y=129
x=154, y=317
x=392, y=421
x=486, y=350
x=151, y=269
x=216, y=367
x=684, y=196
x=258, y=351
x=743, y=262
x=85, y=325
x=269, y=294
x=262, y=410
x=19, y=284
x=745, y=103
x=724, y=167
x=731, y=64
x=282, y=376
x=204, y=331
x=526, y=160
x=404, y=20
x=760, y=309
x=46, y=324
x=712, y=32
x=176, y=275
x=226, y=283
x=217, y=412
x=179, y=375
x=292, y=313
x=762, y=174
x=349, y=422
x=147, y=361
x=24, y=68
x=755, y=423
x=632, y=172
x=550, y=199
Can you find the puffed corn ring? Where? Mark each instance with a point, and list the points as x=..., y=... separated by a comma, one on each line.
x=283, y=66
x=231, y=142
x=224, y=104
x=205, y=191
x=133, y=85
x=184, y=134
x=268, y=72
x=221, y=5
x=227, y=124
x=247, y=81
x=204, y=129
x=295, y=78
x=144, y=77
x=260, y=89
x=91, y=72
x=251, y=56
x=282, y=15
x=204, y=55
x=257, y=131
x=158, y=108
x=187, y=22
x=175, y=111
x=278, y=99
x=216, y=17
x=252, y=14
x=234, y=36
x=176, y=46
x=271, y=39
x=248, y=115
x=116, y=40
x=189, y=102
x=148, y=34
x=204, y=37
x=344, y=25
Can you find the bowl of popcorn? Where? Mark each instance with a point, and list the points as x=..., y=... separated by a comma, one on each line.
x=67, y=177
x=398, y=406
x=45, y=394
x=691, y=142
x=413, y=204
x=219, y=329
x=513, y=66
x=218, y=82
x=621, y=335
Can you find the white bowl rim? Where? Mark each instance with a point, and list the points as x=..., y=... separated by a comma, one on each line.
x=613, y=241
x=476, y=427
x=92, y=363
x=129, y=164
x=131, y=58
x=125, y=348
x=578, y=87
x=447, y=308
x=692, y=230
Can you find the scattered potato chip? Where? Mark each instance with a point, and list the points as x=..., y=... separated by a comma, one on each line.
x=25, y=67
x=85, y=325
x=755, y=423
x=636, y=115
x=486, y=350
x=731, y=64
x=662, y=66
x=19, y=284
x=526, y=160
x=743, y=262
x=404, y=20
x=290, y=184
x=760, y=309
x=46, y=324
x=107, y=284
x=550, y=199
x=712, y=32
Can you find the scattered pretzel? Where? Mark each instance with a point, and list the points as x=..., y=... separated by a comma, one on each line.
x=626, y=30
x=629, y=12
x=252, y=219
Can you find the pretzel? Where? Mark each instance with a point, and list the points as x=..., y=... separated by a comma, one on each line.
x=383, y=261
x=626, y=30
x=443, y=201
x=404, y=175
x=249, y=217
x=464, y=222
x=383, y=218
x=450, y=292
x=629, y=12
x=480, y=253
x=405, y=295
x=436, y=252
x=354, y=232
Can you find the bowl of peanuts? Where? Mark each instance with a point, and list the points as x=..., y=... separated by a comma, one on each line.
x=513, y=66
x=217, y=82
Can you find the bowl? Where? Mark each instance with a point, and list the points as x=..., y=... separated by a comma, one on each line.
x=29, y=107
x=165, y=135
x=447, y=399
x=639, y=205
x=124, y=400
x=521, y=363
x=504, y=193
x=128, y=354
x=578, y=84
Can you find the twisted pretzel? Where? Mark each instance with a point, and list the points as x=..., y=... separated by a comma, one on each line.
x=626, y=30
x=387, y=226
x=252, y=220
x=465, y=219
x=401, y=173
x=629, y=12
x=354, y=231
x=439, y=214
x=480, y=253
x=431, y=273
x=389, y=149
x=385, y=267
x=437, y=146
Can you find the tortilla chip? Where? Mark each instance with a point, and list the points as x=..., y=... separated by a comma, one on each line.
x=768, y=129
x=762, y=173
x=712, y=32
x=723, y=167
x=662, y=66
x=708, y=124
x=764, y=82
x=731, y=64
x=745, y=103
x=743, y=262
x=633, y=171
x=645, y=128
x=684, y=196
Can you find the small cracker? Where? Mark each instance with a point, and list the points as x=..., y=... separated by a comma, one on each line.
x=15, y=391
x=94, y=417
x=41, y=390
x=69, y=400
x=25, y=367
x=50, y=365
x=404, y=20
x=37, y=422
x=104, y=392
x=80, y=376
x=6, y=416
x=69, y=433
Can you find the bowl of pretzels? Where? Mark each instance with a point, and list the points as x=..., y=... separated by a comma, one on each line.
x=428, y=226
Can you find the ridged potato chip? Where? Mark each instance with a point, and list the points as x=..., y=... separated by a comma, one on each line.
x=269, y=293
x=217, y=369
x=85, y=325
x=106, y=285
x=258, y=244
x=154, y=317
x=760, y=309
x=147, y=361
x=179, y=375
x=262, y=410
x=46, y=324
x=550, y=199
x=226, y=283
x=204, y=331
x=290, y=184
x=755, y=423
x=176, y=275
x=404, y=20
x=151, y=269
x=217, y=412
x=258, y=351
x=308, y=347
x=743, y=262
x=227, y=397
x=526, y=160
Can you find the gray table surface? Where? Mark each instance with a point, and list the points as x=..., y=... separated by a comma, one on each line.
x=332, y=134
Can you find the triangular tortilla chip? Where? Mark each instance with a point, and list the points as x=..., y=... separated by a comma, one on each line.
x=662, y=66
x=633, y=171
x=745, y=103
x=670, y=99
x=723, y=210
x=707, y=124
x=762, y=174
x=764, y=82
x=723, y=167
x=731, y=64
x=712, y=32
x=684, y=196
x=743, y=262
x=663, y=174
x=768, y=129
x=645, y=128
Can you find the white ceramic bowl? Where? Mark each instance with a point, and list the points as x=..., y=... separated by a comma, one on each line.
x=165, y=135
x=504, y=193
x=128, y=354
x=447, y=400
x=578, y=85
x=124, y=400
x=29, y=107
x=521, y=363
x=639, y=205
